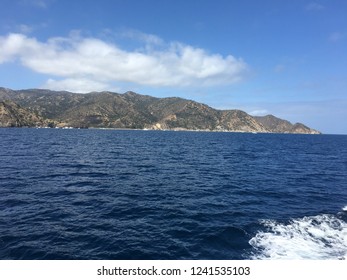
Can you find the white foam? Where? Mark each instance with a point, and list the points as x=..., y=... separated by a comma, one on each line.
x=318, y=237
x=344, y=208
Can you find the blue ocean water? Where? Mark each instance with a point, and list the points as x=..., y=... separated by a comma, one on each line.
x=117, y=194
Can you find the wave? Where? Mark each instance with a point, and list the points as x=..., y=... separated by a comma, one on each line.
x=317, y=237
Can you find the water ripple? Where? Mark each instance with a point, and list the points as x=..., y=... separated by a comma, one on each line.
x=94, y=194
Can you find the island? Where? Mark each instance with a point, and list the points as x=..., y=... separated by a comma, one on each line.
x=130, y=110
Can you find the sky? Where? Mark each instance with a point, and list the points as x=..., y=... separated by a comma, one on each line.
x=286, y=58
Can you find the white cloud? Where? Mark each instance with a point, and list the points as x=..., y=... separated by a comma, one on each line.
x=314, y=6
x=77, y=85
x=260, y=112
x=13, y=45
x=101, y=63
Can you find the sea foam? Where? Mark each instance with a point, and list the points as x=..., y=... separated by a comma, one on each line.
x=318, y=237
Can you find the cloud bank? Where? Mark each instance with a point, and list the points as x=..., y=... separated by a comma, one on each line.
x=88, y=64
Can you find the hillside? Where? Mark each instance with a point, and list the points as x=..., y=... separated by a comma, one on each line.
x=136, y=111
x=277, y=125
x=13, y=115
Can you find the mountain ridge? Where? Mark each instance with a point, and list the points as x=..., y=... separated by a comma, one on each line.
x=135, y=111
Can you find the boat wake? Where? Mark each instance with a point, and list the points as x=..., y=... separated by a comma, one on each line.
x=317, y=237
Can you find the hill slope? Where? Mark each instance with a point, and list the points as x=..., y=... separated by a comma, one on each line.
x=132, y=110
x=13, y=115
x=274, y=124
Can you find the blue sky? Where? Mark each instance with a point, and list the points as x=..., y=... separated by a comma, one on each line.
x=286, y=58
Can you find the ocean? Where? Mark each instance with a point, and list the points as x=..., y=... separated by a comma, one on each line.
x=131, y=194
